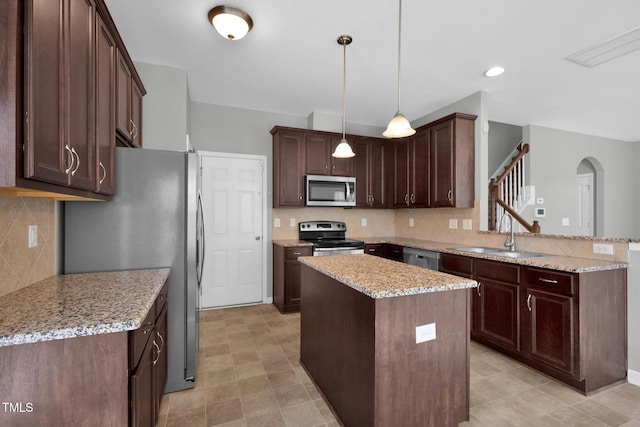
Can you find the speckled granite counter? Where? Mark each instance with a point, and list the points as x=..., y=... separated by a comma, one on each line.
x=75, y=305
x=552, y=262
x=292, y=242
x=381, y=278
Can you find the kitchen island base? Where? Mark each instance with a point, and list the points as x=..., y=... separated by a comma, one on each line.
x=362, y=353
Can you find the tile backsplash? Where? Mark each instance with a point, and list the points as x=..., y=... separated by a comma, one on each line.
x=20, y=265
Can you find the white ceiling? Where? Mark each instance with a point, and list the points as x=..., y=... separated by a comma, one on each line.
x=291, y=63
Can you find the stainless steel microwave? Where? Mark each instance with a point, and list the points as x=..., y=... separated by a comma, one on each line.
x=321, y=190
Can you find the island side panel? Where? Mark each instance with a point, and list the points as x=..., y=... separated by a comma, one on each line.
x=423, y=384
x=337, y=327
x=73, y=381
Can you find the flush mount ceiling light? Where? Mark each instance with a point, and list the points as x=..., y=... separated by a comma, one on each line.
x=231, y=23
x=494, y=71
x=399, y=126
x=343, y=150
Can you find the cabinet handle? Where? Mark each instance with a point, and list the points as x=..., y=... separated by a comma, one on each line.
x=413, y=198
x=450, y=195
x=300, y=196
x=104, y=173
x=478, y=289
x=406, y=199
x=160, y=336
x=135, y=131
x=529, y=302
x=157, y=352
x=297, y=253
x=75, y=153
x=542, y=279
x=146, y=331
x=73, y=159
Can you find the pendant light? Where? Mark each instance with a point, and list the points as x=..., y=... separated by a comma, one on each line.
x=343, y=150
x=399, y=126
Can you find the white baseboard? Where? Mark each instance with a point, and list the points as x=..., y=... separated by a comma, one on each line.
x=269, y=300
x=633, y=377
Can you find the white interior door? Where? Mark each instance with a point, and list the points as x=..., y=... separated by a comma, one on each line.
x=584, y=183
x=233, y=199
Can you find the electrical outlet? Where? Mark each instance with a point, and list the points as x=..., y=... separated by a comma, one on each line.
x=453, y=224
x=602, y=248
x=565, y=222
x=33, y=236
x=467, y=224
x=425, y=333
x=410, y=222
x=292, y=222
x=363, y=221
x=540, y=201
x=276, y=222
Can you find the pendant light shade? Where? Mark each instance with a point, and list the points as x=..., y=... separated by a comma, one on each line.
x=399, y=126
x=229, y=22
x=343, y=150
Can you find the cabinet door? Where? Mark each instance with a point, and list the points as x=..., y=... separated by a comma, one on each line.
x=377, y=174
x=289, y=160
x=80, y=113
x=499, y=313
x=160, y=362
x=46, y=157
x=136, y=115
x=442, y=163
x=105, y=108
x=317, y=154
x=123, y=98
x=419, y=170
x=292, y=284
x=376, y=249
x=395, y=252
x=363, y=196
x=400, y=169
x=142, y=406
x=549, y=329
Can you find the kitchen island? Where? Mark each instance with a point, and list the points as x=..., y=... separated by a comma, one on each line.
x=72, y=348
x=386, y=343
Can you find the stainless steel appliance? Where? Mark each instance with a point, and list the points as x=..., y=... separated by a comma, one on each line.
x=422, y=258
x=151, y=222
x=328, y=238
x=321, y=190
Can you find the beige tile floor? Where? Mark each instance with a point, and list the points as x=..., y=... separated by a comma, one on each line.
x=248, y=375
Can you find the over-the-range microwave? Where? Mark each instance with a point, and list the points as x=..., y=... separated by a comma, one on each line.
x=338, y=191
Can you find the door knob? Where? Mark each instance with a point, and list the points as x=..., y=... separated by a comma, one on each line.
x=257, y=237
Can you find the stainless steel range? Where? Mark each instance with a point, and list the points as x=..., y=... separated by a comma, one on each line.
x=328, y=238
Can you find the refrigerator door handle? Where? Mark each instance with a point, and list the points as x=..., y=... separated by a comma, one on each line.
x=201, y=240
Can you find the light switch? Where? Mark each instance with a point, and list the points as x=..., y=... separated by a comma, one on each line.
x=292, y=222
x=467, y=224
x=363, y=221
x=276, y=222
x=410, y=222
x=33, y=236
x=453, y=224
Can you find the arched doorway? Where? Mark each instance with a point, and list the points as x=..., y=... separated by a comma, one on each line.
x=590, y=200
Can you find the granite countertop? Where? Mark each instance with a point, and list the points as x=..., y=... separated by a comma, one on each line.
x=382, y=278
x=552, y=262
x=74, y=305
x=292, y=242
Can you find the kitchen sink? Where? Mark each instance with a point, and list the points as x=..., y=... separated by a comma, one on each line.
x=477, y=250
x=500, y=252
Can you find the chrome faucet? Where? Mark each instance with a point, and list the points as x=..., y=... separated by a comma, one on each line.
x=510, y=243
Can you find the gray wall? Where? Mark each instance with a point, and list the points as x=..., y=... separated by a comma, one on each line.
x=503, y=139
x=165, y=107
x=633, y=298
x=554, y=159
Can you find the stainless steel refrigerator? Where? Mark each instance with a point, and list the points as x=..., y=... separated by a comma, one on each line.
x=151, y=222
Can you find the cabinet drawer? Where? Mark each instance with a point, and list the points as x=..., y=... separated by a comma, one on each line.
x=161, y=300
x=456, y=264
x=498, y=271
x=396, y=252
x=295, y=252
x=550, y=280
x=138, y=338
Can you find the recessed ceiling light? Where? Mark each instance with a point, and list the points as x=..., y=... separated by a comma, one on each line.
x=494, y=71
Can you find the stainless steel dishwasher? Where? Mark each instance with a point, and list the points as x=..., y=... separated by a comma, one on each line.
x=422, y=258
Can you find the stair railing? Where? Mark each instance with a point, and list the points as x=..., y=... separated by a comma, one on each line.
x=506, y=192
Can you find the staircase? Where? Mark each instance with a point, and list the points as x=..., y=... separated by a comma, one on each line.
x=509, y=192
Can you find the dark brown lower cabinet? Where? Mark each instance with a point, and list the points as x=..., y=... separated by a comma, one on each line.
x=570, y=326
x=286, y=276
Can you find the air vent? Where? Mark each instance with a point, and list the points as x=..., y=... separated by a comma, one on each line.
x=607, y=50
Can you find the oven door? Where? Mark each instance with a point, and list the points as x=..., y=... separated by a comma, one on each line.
x=336, y=251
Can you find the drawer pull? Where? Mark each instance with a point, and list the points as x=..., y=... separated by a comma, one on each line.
x=542, y=279
x=478, y=289
x=157, y=352
x=297, y=253
x=529, y=302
